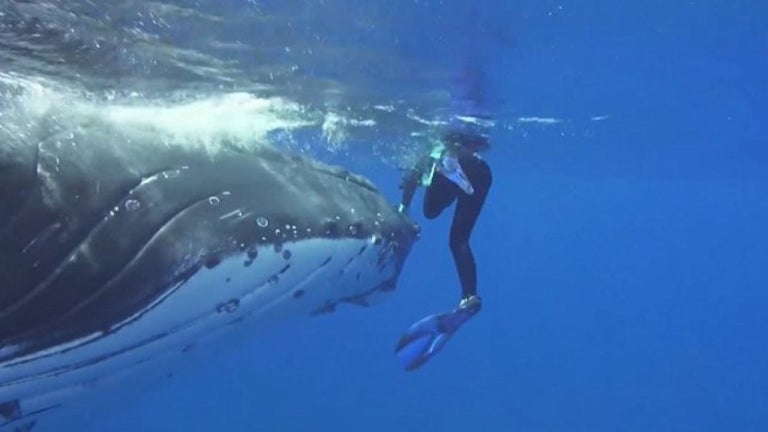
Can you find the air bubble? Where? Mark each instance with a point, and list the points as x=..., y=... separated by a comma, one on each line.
x=213, y=200
x=132, y=204
x=262, y=222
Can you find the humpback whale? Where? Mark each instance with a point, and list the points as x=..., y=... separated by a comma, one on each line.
x=116, y=249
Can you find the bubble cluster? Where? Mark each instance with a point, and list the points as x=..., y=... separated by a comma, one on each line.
x=132, y=204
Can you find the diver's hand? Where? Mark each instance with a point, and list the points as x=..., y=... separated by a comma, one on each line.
x=408, y=185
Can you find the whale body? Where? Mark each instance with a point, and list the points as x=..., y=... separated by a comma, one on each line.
x=116, y=250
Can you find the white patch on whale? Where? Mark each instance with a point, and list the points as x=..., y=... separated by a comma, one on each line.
x=211, y=301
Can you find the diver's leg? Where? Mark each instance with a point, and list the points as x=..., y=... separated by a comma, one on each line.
x=438, y=196
x=467, y=210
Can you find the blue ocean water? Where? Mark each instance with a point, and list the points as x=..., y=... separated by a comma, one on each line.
x=622, y=261
x=621, y=253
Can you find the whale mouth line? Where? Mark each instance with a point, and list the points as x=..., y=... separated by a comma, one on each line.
x=110, y=283
x=48, y=230
x=139, y=254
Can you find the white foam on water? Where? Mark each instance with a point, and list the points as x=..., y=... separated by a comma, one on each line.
x=335, y=128
x=238, y=118
x=210, y=121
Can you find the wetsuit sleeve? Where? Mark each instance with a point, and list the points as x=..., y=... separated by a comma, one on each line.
x=410, y=182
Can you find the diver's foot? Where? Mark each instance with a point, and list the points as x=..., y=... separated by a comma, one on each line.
x=471, y=303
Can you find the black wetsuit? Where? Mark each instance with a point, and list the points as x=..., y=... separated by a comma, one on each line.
x=440, y=194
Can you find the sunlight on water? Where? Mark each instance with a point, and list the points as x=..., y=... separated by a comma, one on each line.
x=207, y=72
x=215, y=120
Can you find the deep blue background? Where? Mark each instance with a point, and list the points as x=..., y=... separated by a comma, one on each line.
x=623, y=262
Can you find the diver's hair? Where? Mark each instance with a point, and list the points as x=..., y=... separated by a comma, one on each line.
x=466, y=140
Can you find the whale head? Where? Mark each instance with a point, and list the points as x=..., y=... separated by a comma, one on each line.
x=115, y=250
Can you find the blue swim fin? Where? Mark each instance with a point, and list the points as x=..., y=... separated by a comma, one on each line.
x=426, y=337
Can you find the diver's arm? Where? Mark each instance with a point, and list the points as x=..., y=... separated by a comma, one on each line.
x=413, y=178
x=411, y=181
